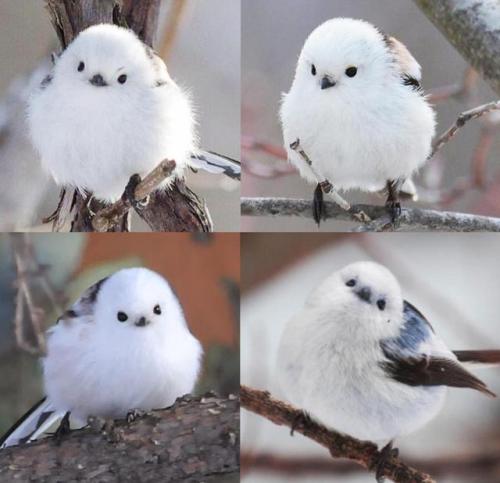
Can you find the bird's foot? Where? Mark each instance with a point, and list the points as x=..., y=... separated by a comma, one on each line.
x=63, y=429
x=318, y=205
x=301, y=420
x=394, y=210
x=386, y=454
x=134, y=414
x=129, y=193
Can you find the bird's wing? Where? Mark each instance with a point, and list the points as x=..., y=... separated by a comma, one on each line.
x=418, y=358
x=408, y=67
x=30, y=426
x=431, y=371
x=216, y=163
x=83, y=308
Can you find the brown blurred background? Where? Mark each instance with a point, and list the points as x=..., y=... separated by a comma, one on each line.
x=204, y=270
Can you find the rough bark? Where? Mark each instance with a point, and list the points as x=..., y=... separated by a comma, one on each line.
x=178, y=209
x=473, y=28
x=197, y=439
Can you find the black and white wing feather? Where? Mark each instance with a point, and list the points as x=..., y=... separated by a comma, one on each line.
x=416, y=357
x=216, y=164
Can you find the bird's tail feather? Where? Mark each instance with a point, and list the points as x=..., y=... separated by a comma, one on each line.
x=482, y=358
x=34, y=423
x=216, y=163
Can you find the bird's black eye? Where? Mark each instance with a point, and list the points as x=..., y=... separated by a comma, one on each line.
x=313, y=69
x=351, y=71
x=381, y=304
x=81, y=66
x=122, y=316
x=122, y=79
x=351, y=283
x=157, y=310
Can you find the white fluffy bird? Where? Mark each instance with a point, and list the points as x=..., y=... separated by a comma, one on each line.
x=356, y=110
x=123, y=346
x=110, y=110
x=362, y=360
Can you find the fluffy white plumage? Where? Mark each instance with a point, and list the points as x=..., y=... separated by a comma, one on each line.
x=101, y=363
x=366, y=129
x=95, y=136
x=332, y=363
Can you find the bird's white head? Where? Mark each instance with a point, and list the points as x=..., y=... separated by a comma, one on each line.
x=343, y=57
x=106, y=57
x=140, y=300
x=363, y=298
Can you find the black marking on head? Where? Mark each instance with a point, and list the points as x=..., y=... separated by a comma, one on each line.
x=161, y=83
x=93, y=291
x=408, y=80
x=46, y=81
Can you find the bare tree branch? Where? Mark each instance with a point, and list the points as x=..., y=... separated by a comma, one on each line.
x=29, y=273
x=412, y=219
x=460, y=123
x=472, y=27
x=340, y=445
x=485, y=465
x=197, y=439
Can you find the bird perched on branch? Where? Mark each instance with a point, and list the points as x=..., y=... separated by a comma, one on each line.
x=123, y=347
x=362, y=360
x=110, y=110
x=355, y=115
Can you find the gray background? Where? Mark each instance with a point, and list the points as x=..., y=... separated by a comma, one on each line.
x=272, y=36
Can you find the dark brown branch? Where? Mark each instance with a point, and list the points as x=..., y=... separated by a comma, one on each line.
x=197, y=439
x=176, y=209
x=486, y=465
x=471, y=26
x=340, y=445
x=412, y=219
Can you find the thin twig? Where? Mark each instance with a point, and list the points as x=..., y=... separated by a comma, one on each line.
x=464, y=117
x=411, y=219
x=111, y=215
x=364, y=453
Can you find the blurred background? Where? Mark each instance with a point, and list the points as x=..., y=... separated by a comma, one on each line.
x=463, y=177
x=200, y=41
x=204, y=270
x=452, y=279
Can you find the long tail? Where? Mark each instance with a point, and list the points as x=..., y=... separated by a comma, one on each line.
x=483, y=358
x=216, y=163
x=34, y=423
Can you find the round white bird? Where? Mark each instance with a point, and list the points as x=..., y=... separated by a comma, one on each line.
x=108, y=111
x=362, y=360
x=123, y=346
x=356, y=109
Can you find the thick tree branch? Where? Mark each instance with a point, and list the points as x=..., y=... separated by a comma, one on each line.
x=197, y=439
x=472, y=27
x=412, y=219
x=175, y=209
x=340, y=445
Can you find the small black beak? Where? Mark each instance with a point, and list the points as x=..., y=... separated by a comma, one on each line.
x=98, y=81
x=142, y=322
x=364, y=294
x=326, y=83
